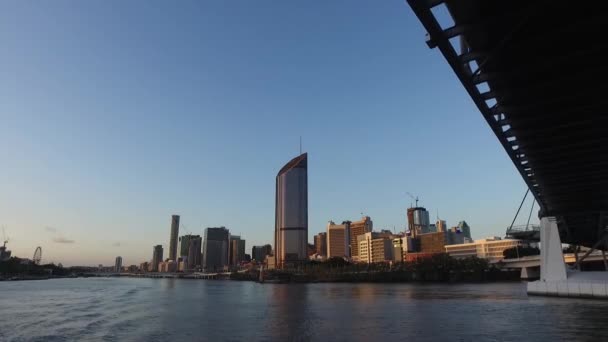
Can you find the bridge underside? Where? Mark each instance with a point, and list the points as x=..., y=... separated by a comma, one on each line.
x=537, y=71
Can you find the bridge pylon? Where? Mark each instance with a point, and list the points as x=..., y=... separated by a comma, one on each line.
x=555, y=278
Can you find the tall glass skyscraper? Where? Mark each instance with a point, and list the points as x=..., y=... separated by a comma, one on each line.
x=291, y=215
x=173, y=238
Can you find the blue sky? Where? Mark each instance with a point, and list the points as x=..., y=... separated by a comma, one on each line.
x=115, y=115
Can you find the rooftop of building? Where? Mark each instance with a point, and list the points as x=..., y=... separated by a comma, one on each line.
x=300, y=161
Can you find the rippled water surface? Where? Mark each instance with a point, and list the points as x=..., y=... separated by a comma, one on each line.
x=110, y=309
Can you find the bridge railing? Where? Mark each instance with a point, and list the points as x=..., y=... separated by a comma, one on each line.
x=524, y=228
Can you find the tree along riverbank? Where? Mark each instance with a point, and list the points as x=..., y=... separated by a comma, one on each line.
x=438, y=268
x=16, y=269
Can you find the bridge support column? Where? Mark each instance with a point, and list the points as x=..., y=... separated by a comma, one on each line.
x=554, y=279
x=529, y=272
x=552, y=266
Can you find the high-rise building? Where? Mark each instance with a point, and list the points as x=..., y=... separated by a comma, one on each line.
x=321, y=244
x=358, y=228
x=184, y=244
x=237, y=250
x=157, y=257
x=216, y=248
x=259, y=253
x=118, y=264
x=291, y=214
x=194, y=252
x=418, y=221
x=338, y=239
x=173, y=239
x=442, y=226
x=465, y=229
x=144, y=266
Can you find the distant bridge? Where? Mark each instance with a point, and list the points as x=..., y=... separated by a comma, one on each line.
x=527, y=232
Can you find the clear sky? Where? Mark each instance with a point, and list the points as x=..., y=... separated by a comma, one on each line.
x=116, y=114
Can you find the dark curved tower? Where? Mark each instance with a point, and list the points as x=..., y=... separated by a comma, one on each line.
x=291, y=215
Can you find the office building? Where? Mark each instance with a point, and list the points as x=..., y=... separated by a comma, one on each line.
x=184, y=244
x=167, y=266
x=291, y=214
x=465, y=229
x=259, y=253
x=144, y=266
x=157, y=257
x=373, y=248
x=442, y=226
x=432, y=228
x=454, y=237
x=215, y=249
x=237, y=250
x=417, y=221
x=402, y=246
x=489, y=248
x=118, y=264
x=321, y=244
x=193, y=260
x=173, y=239
x=270, y=262
x=338, y=236
x=357, y=228
x=432, y=242
x=182, y=264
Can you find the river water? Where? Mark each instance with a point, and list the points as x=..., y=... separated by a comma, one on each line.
x=132, y=309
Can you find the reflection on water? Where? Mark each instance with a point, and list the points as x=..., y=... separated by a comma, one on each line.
x=196, y=310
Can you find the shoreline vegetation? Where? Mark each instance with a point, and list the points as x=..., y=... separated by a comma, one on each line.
x=440, y=268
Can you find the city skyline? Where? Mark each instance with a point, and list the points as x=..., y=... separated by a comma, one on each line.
x=86, y=173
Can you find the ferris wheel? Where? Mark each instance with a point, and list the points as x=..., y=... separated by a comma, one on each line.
x=37, y=255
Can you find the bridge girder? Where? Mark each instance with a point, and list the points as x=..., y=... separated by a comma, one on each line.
x=540, y=64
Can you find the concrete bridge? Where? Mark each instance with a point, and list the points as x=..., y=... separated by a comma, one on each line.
x=532, y=69
x=530, y=265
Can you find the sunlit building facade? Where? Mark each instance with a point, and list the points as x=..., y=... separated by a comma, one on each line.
x=490, y=249
x=291, y=215
x=338, y=239
x=357, y=228
x=321, y=244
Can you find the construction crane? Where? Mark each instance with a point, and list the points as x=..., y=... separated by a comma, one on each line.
x=4, y=237
x=185, y=229
x=414, y=198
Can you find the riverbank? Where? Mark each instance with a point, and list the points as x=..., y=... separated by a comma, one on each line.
x=33, y=277
x=381, y=277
